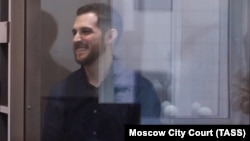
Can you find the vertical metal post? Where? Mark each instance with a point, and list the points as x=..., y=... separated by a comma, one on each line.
x=16, y=70
x=33, y=70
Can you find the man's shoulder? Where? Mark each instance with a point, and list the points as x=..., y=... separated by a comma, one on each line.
x=142, y=81
x=71, y=77
x=141, y=78
x=66, y=83
x=130, y=76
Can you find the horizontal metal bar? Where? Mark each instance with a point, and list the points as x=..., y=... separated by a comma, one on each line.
x=4, y=109
x=4, y=32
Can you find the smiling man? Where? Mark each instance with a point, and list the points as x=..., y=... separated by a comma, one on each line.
x=98, y=99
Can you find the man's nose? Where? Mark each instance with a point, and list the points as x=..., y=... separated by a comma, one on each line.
x=77, y=37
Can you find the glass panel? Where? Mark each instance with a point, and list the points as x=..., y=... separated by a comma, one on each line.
x=183, y=51
x=177, y=62
x=3, y=126
x=199, y=59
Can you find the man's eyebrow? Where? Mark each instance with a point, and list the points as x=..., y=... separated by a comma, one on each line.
x=88, y=28
x=82, y=28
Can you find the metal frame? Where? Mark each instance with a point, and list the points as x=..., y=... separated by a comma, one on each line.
x=24, y=70
x=16, y=70
x=33, y=70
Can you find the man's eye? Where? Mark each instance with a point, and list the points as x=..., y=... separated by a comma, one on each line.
x=73, y=32
x=86, y=31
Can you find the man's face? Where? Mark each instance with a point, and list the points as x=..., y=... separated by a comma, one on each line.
x=87, y=39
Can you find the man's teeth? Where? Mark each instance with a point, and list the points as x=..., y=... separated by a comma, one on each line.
x=81, y=49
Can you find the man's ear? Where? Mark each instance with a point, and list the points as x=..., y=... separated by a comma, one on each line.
x=110, y=36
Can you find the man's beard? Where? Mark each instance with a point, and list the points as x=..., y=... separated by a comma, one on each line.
x=92, y=56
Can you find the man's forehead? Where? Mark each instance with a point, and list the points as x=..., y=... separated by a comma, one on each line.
x=90, y=16
x=87, y=19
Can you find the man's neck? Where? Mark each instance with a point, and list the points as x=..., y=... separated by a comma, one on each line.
x=98, y=70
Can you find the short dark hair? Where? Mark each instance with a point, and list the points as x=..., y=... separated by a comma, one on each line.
x=107, y=17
